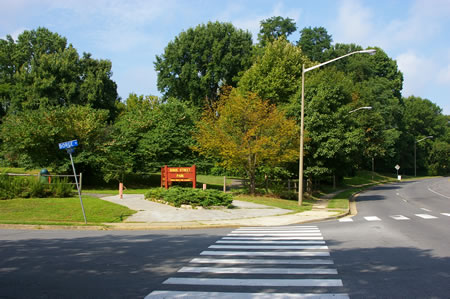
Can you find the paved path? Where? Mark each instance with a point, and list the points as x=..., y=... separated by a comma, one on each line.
x=152, y=215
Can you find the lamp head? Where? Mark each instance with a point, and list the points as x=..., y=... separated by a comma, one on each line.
x=368, y=51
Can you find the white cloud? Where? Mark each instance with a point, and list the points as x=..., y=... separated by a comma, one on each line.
x=354, y=22
x=444, y=75
x=418, y=72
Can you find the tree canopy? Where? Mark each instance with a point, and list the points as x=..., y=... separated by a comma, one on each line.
x=200, y=60
x=40, y=69
x=275, y=27
x=245, y=132
x=276, y=75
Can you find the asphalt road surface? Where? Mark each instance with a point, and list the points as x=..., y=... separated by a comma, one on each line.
x=397, y=246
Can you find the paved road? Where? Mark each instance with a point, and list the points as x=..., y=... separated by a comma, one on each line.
x=398, y=245
x=375, y=255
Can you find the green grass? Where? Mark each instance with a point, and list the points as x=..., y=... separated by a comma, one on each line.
x=65, y=211
x=19, y=170
x=278, y=202
x=367, y=177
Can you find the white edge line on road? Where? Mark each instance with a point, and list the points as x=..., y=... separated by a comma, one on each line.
x=435, y=192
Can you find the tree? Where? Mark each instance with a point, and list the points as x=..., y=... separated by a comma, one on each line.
x=275, y=27
x=31, y=137
x=200, y=60
x=276, y=75
x=245, y=132
x=154, y=132
x=422, y=118
x=313, y=42
x=40, y=69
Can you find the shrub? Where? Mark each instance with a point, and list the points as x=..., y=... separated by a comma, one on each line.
x=188, y=196
x=25, y=187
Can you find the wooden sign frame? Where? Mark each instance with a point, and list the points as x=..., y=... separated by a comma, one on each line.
x=178, y=174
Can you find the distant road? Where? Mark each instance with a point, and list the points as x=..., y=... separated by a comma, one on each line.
x=398, y=245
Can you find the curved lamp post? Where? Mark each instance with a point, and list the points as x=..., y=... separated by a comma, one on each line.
x=300, y=176
x=415, y=143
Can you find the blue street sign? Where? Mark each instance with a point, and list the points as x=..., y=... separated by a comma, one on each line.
x=68, y=144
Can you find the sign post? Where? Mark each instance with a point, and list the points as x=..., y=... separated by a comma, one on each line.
x=399, y=177
x=69, y=146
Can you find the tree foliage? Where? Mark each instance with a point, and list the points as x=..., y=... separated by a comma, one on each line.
x=273, y=28
x=202, y=59
x=40, y=69
x=276, y=75
x=153, y=133
x=314, y=42
x=245, y=132
x=31, y=137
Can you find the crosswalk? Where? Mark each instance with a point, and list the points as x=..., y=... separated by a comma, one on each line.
x=259, y=262
x=397, y=217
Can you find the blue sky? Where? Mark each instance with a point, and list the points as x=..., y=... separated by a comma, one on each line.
x=131, y=33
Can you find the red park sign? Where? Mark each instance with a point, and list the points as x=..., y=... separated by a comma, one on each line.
x=178, y=174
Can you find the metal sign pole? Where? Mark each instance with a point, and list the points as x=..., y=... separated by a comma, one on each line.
x=76, y=182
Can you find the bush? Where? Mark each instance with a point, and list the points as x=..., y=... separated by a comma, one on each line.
x=188, y=196
x=25, y=187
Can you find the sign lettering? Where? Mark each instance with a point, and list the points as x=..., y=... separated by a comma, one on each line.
x=178, y=174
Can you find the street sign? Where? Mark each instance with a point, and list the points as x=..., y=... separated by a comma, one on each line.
x=68, y=144
x=397, y=167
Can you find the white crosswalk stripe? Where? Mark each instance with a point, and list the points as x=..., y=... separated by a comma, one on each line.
x=399, y=217
x=394, y=217
x=347, y=219
x=426, y=216
x=256, y=258
x=372, y=218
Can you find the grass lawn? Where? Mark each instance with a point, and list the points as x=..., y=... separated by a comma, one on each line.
x=278, y=202
x=212, y=182
x=64, y=211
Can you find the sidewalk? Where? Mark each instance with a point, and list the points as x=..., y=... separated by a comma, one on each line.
x=152, y=215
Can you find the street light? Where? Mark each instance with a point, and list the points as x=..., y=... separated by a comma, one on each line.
x=300, y=176
x=415, y=142
x=360, y=108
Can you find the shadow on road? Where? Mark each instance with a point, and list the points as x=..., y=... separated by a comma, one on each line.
x=102, y=266
x=402, y=272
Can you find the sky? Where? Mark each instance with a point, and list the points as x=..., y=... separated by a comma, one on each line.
x=130, y=33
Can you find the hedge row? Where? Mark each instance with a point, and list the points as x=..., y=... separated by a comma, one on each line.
x=25, y=187
x=177, y=196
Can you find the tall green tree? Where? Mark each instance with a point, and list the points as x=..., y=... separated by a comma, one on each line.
x=276, y=75
x=31, y=137
x=154, y=132
x=275, y=27
x=245, y=133
x=314, y=41
x=200, y=60
x=40, y=69
x=422, y=118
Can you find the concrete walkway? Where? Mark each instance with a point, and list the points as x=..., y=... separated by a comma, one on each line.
x=152, y=215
